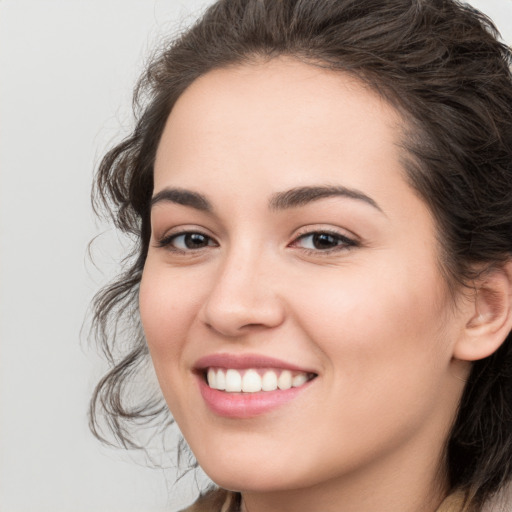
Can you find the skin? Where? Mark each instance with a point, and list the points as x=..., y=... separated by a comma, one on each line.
x=372, y=318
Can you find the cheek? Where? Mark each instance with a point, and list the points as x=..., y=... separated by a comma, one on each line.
x=375, y=324
x=386, y=357
x=166, y=312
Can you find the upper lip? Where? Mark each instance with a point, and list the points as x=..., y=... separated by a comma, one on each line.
x=244, y=362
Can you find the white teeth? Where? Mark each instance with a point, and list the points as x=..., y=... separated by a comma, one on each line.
x=221, y=380
x=285, y=380
x=233, y=381
x=269, y=381
x=212, y=378
x=251, y=382
x=299, y=379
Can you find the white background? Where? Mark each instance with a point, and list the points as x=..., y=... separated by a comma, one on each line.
x=67, y=68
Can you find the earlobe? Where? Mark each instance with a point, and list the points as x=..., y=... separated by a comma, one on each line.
x=490, y=320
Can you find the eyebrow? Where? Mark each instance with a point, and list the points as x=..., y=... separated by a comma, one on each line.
x=183, y=197
x=295, y=197
x=301, y=196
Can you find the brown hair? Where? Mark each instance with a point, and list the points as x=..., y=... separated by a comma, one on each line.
x=440, y=63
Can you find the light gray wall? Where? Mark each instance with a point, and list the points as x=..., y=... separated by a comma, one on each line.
x=67, y=68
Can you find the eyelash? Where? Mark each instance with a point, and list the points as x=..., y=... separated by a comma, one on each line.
x=343, y=242
x=167, y=241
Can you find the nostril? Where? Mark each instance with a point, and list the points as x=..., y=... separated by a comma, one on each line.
x=234, y=307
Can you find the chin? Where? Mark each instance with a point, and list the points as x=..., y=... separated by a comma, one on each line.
x=243, y=472
x=250, y=480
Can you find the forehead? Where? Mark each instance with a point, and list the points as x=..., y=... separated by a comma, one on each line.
x=240, y=136
x=257, y=116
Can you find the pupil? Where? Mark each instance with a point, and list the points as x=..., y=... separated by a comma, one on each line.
x=324, y=241
x=195, y=241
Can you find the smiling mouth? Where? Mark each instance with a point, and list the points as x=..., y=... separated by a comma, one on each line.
x=254, y=380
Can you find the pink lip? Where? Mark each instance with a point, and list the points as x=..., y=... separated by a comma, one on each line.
x=244, y=362
x=245, y=405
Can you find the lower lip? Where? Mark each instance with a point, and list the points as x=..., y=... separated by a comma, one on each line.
x=246, y=405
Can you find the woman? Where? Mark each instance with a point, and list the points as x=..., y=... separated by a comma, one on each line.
x=320, y=198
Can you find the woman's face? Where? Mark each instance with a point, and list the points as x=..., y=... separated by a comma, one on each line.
x=287, y=249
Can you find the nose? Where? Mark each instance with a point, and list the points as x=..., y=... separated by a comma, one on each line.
x=243, y=297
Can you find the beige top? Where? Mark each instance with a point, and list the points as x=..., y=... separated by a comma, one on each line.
x=220, y=500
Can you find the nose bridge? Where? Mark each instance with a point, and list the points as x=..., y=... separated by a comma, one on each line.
x=243, y=293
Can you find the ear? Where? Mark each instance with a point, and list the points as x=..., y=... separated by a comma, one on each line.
x=490, y=315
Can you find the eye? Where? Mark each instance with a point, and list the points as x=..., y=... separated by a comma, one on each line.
x=323, y=241
x=188, y=241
